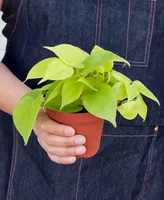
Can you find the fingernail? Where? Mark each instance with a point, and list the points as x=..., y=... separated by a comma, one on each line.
x=80, y=150
x=69, y=131
x=71, y=159
x=80, y=140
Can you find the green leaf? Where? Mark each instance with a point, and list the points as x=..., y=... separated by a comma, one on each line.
x=129, y=110
x=46, y=87
x=71, y=91
x=102, y=103
x=96, y=48
x=74, y=107
x=145, y=91
x=86, y=82
x=108, y=66
x=120, y=91
x=54, y=91
x=119, y=77
x=57, y=70
x=95, y=61
x=71, y=55
x=113, y=57
x=54, y=104
x=142, y=111
x=39, y=70
x=132, y=91
x=25, y=113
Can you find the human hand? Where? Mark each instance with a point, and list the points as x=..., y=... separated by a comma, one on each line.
x=59, y=141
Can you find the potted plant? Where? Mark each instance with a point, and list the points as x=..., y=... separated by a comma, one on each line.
x=84, y=91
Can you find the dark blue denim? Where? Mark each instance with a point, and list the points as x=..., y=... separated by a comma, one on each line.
x=130, y=162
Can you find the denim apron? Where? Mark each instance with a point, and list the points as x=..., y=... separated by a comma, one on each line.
x=130, y=162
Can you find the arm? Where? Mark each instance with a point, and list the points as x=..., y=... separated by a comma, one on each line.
x=57, y=140
x=11, y=89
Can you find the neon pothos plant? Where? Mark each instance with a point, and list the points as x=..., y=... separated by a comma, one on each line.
x=81, y=81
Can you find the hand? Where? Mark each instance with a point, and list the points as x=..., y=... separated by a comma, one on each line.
x=59, y=141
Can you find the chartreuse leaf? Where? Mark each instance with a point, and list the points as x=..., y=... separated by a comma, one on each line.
x=71, y=91
x=102, y=103
x=55, y=90
x=95, y=61
x=74, y=107
x=142, y=111
x=96, y=48
x=55, y=104
x=113, y=57
x=108, y=66
x=145, y=91
x=118, y=77
x=120, y=90
x=86, y=82
x=132, y=91
x=129, y=110
x=71, y=55
x=26, y=111
x=46, y=87
x=57, y=70
x=39, y=70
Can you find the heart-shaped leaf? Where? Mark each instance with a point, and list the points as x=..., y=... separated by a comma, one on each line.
x=25, y=113
x=57, y=70
x=120, y=91
x=95, y=61
x=86, y=82
x=129, y=110
x=102, y=103
x=39, y=70
x=145, y=91
x=132, y=91
x=71, y=55
x=119, y=77
x=113, y=57
x=142, y=111
x=54, y=91
x=96, y=48
x=71, y=91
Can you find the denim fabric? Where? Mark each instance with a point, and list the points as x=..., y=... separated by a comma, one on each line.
x=130, y=162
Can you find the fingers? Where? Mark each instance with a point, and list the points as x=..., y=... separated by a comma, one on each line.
x=45, y=124
x=62, y=160
x=57, y=129
x=59, y=141
x=63, y=151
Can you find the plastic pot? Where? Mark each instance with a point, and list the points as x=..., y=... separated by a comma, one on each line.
x=84, y=124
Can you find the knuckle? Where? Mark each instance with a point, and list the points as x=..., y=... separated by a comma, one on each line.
x=67, y=141
x=48, y=139
x=69, y=151
x=42, y=125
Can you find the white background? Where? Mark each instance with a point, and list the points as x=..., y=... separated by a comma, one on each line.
x=2, y=38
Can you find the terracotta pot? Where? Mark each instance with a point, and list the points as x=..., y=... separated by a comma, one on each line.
x=84, y=124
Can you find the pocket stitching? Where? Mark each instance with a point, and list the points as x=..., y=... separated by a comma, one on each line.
x=150, y=158
x=148, y=40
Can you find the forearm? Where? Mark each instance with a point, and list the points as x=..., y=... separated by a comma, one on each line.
x=11, y=89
